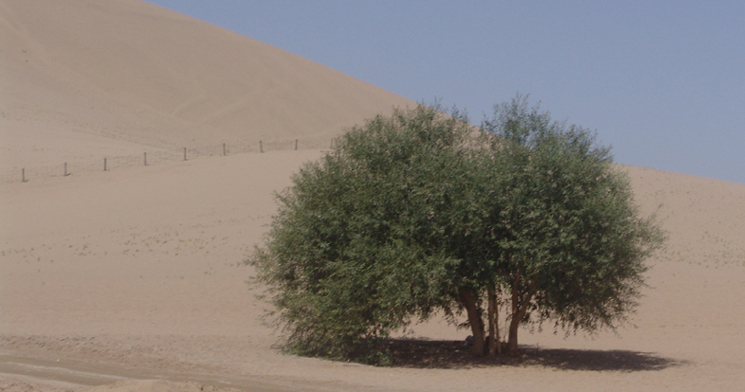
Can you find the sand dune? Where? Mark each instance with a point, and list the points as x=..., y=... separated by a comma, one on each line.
x=132, y=279
x=84, y=75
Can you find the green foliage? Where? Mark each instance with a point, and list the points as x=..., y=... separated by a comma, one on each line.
x=358, y=246
x=576, y=245
x=420, y=212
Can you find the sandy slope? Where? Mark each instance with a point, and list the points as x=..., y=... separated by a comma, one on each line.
x=81, y=75
x=132, y=279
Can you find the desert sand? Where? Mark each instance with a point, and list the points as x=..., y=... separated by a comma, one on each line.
x=132, y=279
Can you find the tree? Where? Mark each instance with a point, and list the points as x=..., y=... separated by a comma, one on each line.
x=359, y=246
x=421, y=212
x=575, y=244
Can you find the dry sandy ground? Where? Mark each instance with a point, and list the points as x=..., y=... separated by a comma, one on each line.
x=136, y=274
x=131, y=279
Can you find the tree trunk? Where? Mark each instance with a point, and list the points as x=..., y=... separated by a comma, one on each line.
x=497, y=338
x=519, y=309
x=515, y=322
x=474, y=319
x=492, y=313
x=512, y=342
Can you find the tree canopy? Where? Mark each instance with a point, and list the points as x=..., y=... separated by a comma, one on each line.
x=420, y=212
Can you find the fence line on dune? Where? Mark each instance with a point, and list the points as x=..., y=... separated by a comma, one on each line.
x=147, y=158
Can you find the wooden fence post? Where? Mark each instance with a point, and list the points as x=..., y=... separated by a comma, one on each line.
x=66, y=174
x=23, y=174
x=104, y=164
x=261, y=146
x=145, y=158
x=295, y=144
x=224, y=150
x=184, y=153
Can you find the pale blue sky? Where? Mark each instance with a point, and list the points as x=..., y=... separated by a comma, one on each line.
x=663, y=82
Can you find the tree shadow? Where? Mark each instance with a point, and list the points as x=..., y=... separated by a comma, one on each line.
x=599, y=360
x=444, y=354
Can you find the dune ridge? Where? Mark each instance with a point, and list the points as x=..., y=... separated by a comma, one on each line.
x=83, y=75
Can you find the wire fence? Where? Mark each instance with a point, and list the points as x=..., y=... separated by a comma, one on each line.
x=147, y=158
